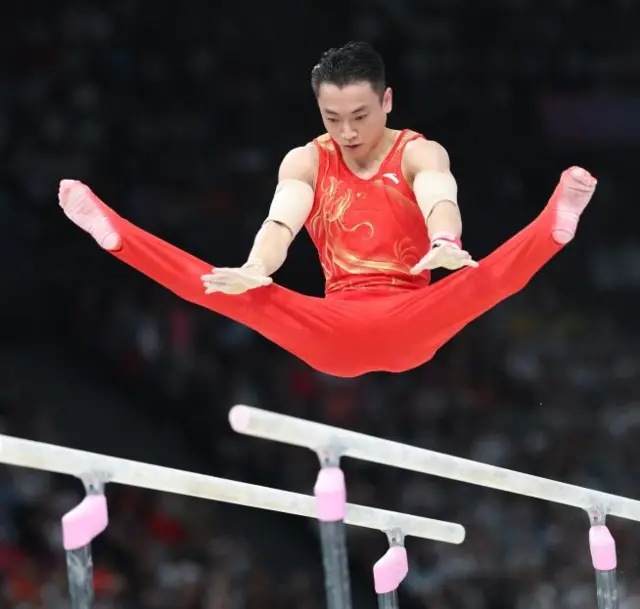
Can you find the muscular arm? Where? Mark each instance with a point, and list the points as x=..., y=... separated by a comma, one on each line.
x=289, y=210
x=426, y=163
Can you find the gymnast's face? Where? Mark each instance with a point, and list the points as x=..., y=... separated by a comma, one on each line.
x=354, y=115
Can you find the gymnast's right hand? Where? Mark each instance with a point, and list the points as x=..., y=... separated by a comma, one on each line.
x=235, y=281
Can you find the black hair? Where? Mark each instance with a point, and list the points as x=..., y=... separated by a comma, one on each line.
x=352, y=63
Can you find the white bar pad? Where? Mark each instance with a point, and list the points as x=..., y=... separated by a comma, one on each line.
x=298, y=432
x=51, y=458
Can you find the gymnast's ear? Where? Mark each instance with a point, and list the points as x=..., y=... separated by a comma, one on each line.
x=387, y=100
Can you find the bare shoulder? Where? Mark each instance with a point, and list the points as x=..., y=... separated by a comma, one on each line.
x=299, y=164
x=423, y=155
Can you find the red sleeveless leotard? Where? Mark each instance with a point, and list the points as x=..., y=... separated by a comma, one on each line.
x=368, y=233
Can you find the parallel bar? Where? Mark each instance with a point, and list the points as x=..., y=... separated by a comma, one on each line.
x=330, y=492
x=388, y=600
x=604, y=560
x=390, y=571
x=335, y=564
x=607, y=589
x=80, y=577
x=80, y=526
x=298, y=432
x=51, y=458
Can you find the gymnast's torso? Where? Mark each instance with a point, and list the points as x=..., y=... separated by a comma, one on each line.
x=368, y=232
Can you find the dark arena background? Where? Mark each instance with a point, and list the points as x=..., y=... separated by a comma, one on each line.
x=178, y=114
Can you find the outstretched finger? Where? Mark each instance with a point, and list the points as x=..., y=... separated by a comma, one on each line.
x=461, y=257
x=218, y=282
x=215, y=287
x=217, y=275
x=466, y=259
x=211, y=289
x=425, y=263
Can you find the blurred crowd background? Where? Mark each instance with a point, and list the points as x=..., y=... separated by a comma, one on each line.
x=178, y=115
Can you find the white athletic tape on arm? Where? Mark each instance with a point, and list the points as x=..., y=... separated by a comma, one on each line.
x=256, y=264
x=291, y=204
x=432, y=187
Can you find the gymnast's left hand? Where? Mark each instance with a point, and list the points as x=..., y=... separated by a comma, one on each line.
x=446, y=256
x=235, y=281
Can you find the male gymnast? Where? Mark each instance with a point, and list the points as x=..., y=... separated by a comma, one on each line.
x=381, y=207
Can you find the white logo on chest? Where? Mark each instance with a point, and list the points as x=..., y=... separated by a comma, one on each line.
x=391, y=176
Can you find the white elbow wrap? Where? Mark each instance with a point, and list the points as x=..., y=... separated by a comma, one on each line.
x=432, y=187
x=291, y=204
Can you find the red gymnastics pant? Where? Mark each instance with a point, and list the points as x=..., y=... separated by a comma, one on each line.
x=369, y=332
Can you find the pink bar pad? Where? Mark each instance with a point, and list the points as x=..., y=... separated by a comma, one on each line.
x=331, y=494
x=603, y=548
x=84, y=522
x=390, y=570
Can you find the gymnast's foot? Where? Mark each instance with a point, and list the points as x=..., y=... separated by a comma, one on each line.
x=571, y=197
x=87, y=211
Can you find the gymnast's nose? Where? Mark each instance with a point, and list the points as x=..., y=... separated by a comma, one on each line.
x=349, y=134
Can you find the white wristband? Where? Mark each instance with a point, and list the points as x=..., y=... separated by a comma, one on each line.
x=441, y=238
